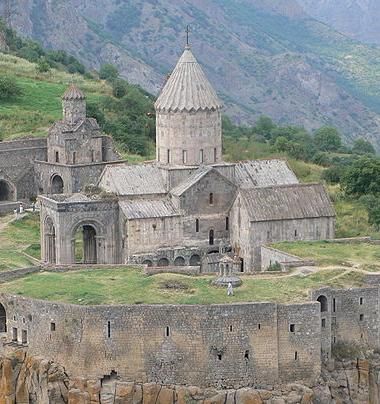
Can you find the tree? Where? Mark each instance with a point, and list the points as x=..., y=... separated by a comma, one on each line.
x=42, y=66
x=9, y=88
x=363, y=177
x=327, y=138
x=108, y=72
x=264, y=126
x=372, y=204
x=119, y=88
x=362, y=146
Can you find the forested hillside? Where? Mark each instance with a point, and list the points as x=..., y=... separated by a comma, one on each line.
x=264, y=57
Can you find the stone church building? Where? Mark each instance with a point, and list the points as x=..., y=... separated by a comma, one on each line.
x=178, y=210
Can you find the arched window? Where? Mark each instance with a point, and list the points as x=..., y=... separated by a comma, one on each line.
x=211, y=198
x=324, y=304
x=163, y=262
x=3, y=319
x=57, y=185
x=211, y=237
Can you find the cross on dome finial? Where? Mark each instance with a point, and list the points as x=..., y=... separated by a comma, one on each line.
x=187, y=36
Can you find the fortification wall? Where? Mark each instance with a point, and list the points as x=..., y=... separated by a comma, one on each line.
x=218, y=345
x=17, y=165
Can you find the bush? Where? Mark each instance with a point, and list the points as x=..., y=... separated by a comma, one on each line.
x=327, y=138
x=42, y=66
x=362, y=146
x=108, y=72
x=9, y=88
x=332, y=175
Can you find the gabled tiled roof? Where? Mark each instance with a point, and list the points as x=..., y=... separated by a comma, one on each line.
x=298, y=201
x=140, y=179
x=73, y=93
x=148, y=208
x=263, y=173
x=187, y=88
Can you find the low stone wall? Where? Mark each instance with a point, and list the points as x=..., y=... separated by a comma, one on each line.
x=355, y=240
x=184, y=270
x=271, y=256
x=17, y=273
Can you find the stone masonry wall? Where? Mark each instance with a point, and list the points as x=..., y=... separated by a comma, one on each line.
x=223, y=346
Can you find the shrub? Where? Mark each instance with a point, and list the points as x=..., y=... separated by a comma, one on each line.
x=347, y=350
x=9, y=88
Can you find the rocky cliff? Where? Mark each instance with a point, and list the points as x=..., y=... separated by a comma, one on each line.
x=25, y=379
x=263, y=56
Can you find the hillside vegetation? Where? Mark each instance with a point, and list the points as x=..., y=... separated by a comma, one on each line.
x=264, y=57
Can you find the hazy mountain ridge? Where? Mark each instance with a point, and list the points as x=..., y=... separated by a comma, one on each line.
x=263, y=56
x=358, y=19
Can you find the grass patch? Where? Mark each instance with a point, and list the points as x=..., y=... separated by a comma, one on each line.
x=17, y=237
x=329, y=253
x=131, y=286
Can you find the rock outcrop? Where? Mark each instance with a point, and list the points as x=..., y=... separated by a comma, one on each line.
x=25, y=379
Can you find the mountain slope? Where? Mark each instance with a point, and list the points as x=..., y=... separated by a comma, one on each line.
x=263, y=56
x=356, y=18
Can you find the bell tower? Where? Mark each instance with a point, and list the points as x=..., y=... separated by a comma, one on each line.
x=188, y=117
x=73, y=105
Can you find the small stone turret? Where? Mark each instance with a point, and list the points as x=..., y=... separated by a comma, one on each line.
x=188, y=117
x=74, y=105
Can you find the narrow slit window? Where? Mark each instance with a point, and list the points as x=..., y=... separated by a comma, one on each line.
x=52, y=326
x=361, y=317
x=197, y=225
x=227, y=223
x=295, y=355
x=361, y=301
x=24, y=336
x=323, y=323
x=295, y=233
x=334, y=305
x=220, y=357
x=109, y=329
x=168, y=156
x=56, y=157
x=259, y=326
x=201, y=156
x=167, y=331
x=292, y=327
x=211, y=198
x=246, y=354
x=184, y=156
x=14, y=334
x=215, y=155
x=231, y=328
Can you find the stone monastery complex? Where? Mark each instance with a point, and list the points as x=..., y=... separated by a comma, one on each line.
x=176, y=211
x=182, y=210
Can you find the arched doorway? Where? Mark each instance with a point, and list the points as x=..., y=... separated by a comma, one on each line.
x=6, y=191
x=85, y=251
x=163, y=262
x=148, y=263
x=211, y=237
x=179, y=262
x=324, y=304
x=3, y=319
x=57, y=184
x=195, y=260
x=49, y=241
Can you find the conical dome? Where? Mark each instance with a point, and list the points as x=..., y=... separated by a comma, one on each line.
x=187, y=88
x=73, y=93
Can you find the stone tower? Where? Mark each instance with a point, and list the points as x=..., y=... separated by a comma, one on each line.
x=74, y=105
x=188, y=117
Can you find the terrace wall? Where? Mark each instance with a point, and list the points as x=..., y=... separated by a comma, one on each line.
x=230, y=345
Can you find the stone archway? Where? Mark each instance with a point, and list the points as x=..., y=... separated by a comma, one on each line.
x=163, y=262
x=3, y=319
x=57, y=185
x=49, y=241
x=324, y=304
x=195, y=260
x=7, y=191
x=85, y=244
x=179, y=262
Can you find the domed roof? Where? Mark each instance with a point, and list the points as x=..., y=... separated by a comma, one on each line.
x=187, y=88
x=73, y=93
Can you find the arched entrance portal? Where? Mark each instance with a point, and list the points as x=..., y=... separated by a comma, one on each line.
x=6, y=191
x=3, y=319
x=49, y=241
x=57, y=184
x=85, y=251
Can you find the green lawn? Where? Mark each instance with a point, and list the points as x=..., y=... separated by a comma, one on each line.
x=17, y=237
x=131, y=286
x=366, y=256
